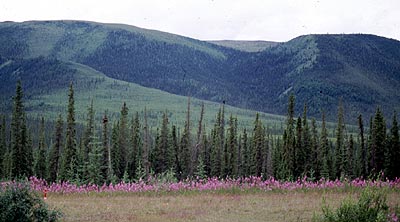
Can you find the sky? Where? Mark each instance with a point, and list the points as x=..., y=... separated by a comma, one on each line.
x=277, y=20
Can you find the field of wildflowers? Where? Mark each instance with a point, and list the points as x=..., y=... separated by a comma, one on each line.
x=210, y=184
x=212, y=199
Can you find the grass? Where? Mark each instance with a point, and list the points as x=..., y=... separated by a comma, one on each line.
x=198, y=206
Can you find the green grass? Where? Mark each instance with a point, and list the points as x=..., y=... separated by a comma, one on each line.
x=198, y=206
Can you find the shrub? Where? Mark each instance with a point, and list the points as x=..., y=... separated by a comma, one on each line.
x=19, y=203
x=371, y=206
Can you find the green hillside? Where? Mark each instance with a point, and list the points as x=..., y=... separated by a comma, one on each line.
x=46, y=83
x=363, y=70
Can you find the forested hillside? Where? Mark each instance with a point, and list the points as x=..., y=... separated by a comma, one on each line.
x=363, y=70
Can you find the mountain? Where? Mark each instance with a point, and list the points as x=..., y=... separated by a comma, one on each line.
x=363, y=70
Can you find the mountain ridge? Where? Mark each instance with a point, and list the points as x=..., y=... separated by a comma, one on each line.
x=319, y=69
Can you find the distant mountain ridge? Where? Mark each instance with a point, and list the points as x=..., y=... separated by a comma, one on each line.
x=363, y=70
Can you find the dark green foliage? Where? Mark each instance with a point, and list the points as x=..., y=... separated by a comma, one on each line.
x=19, y=203
x=186, y=146
x=318, y=69
x=371, y=206
x=393, y=152
x=289, y=141
x=55, y=152
x=69, y=158
x=40, y=161
x=324, y=147
x=363, y=147
x=95, y=164
x=115, y=151
x=123, y=141
x=340, y=148
x=378, y=143
x=173, y=153
x=258, y=147
x=21, y=164
x=160, y=152
x=136, y=145
x=107, y=171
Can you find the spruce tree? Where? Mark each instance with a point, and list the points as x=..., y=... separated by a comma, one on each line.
x=136, y=144
x=340, y=153
x=20, y=152
x=40, y=161
x=115, y=152
x=232, y=148
x=245, y=154
x=198, y=148
x=217, y=144
x=68, y=165
x=55, y=152
x=162, y=147
x=258, y=147
x=290, y=141
x=363, y=147
x=394, y=150
x=306, y=142
x=378, y=142
x=89, y=132
x=316, y=159
x=107, y=172
x=95, y=162
x=173, y=153
x=299, y=155
x=324, y=147
x=186, y=145
x=146, y=146
x=123, y=141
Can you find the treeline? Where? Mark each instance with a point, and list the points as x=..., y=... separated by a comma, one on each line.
x=126, y=149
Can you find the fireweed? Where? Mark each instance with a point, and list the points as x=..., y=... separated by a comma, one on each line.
x=209, y=184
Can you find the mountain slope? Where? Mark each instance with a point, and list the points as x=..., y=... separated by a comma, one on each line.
x=363, y=70
x=46, y=82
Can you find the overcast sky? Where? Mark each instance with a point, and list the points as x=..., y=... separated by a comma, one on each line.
x=278, y=20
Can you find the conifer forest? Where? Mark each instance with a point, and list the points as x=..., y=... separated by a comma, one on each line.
x=126, y=149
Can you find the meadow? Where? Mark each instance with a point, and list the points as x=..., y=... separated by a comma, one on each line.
x=247, y=199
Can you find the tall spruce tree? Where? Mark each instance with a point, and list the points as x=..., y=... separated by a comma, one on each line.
x=340, y=149
x=217, y=144
x=146, y=146
x=160, y=151
x=299, y=155
x=324, y=147
x=378, y=142
x=40, y=160
x=55, y=152
x=89, y=132
x=173, y=153
x=115, y=151
x=107, y=172
x=394, y=150
x=21, y=164
x=316, y=159
x=245, y=154
x=136, y=144
x=186, y=145
x=123, y=142
x=363, y=147
x=69, y=158
x=289, y=140
x=258, y=147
